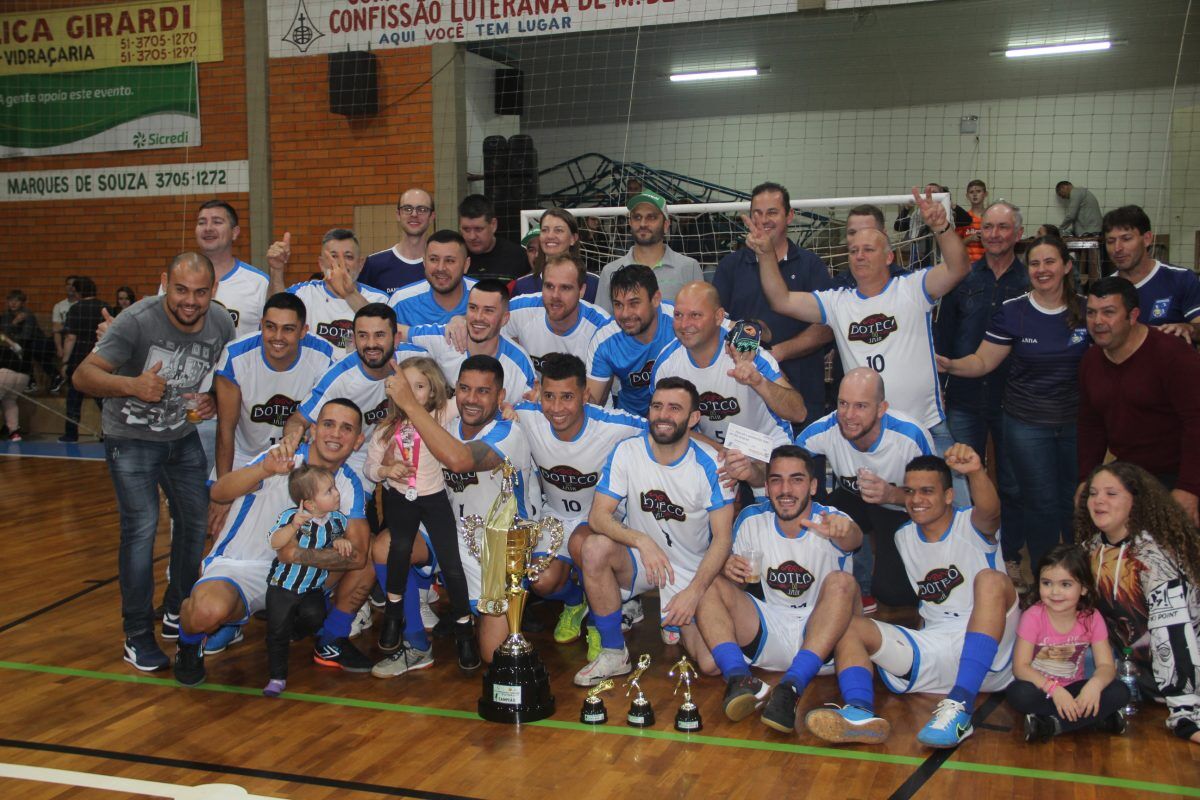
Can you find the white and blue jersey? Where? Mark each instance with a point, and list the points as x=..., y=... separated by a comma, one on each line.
x=330, y=317
x=724, y=401
x=1168, y=294
x=900, y=440
x=317, y=534
x=1043, y=375
x=614, y=354
x=792, y=569
x=243, y=292
x=243, y=536
x=942, y=572
x=527, y=324
x=347, y=379
x=570, y=469
x=415, y=304
x=892, y=333
x=473, y=492
x=269, y=396
x=519, y=376
x=670, y=503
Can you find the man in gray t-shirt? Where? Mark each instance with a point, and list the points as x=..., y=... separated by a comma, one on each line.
x=149, y=367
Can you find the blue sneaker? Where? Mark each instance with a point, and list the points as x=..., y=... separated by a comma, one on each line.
x=225, y=636
x=951, y=724
x=144, y=653
x=170, y=626
x=847, y=724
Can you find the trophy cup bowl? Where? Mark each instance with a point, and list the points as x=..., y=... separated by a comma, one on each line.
x=516, y=687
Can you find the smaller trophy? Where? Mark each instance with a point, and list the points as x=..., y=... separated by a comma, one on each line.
x=640, y=715
x=593, y=711
x=687, y=719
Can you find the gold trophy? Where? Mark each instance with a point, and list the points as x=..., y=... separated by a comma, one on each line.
x=640, y=715
x=593, y=711
x=687, y=719
x=516, y=687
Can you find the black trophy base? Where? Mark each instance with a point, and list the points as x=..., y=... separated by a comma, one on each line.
x=516, y=689
x=687, y=719
x=640, y=715
x=593, y=713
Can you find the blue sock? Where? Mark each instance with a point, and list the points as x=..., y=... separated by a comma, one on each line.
x=190, y=638
x=423, y=583
x=337, y=626
x=570, y=594
x=609, y=626
x=414, y=628
x=857, y=689
x=730, y=660
x=979, y=650
x=381, y=575
x=804, y=668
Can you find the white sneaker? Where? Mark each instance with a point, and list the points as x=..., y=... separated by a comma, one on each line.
x=406, y=659
x=631, y=613
x=669, y=635
x=609, y=664
x=362, y=620
x=429, y=617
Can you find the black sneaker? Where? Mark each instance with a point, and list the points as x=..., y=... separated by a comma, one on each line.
x=743, y=695
x=144, y=653
x=1116, y=723
x=468, y=648
x=57, y=385
x=1038, y=728
x=189, y=665
x=378, y=596
x=170, y=626
x=780, y=711
x=342, y=654
x=390, y=634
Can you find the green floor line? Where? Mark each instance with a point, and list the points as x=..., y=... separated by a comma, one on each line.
x=619, y=730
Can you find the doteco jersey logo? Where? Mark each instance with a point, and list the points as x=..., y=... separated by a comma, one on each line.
x=339, y=333
x=717, y=408
x=789, y=578
x=569, y=479
x=642, y=377
x=872, y=330
x=275, y=411
x=376, y=414
x=938, y=584
x=657, y=503
x=459, y=481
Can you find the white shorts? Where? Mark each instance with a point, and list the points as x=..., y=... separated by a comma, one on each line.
x=781, y=634
x=641, y=582
x=930, y=657
x=249, y=578
x=562, y=553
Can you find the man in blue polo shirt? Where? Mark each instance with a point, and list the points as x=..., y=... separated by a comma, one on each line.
x=404, y=262
x=799, y=347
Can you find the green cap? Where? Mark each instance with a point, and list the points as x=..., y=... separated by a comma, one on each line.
x=534, y=233
x=656, y=200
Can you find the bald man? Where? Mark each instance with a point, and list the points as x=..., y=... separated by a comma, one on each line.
x=868, y=444
x=885, y=323
x=745, y=388
x=404, y=262
x=150, y=364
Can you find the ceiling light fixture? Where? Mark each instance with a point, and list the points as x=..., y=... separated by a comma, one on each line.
x=681, y=77
x=1058, y=49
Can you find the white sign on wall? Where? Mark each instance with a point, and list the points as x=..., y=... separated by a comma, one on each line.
x=207, y=178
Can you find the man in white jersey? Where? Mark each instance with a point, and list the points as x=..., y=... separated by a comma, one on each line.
x=332, y=301
x=443, y=294
x=558, y=320
x=745, y=389
x=675, y=537
x=470, y=447
x=233, y=584
x=487, y=313
x=968, y=607
x=884, y=323
x=570, y=440
x=403, y=263
x=801, y=549
x=241, y=288
x=868, y=444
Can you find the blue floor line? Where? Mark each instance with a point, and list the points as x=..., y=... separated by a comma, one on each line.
x=89, y=451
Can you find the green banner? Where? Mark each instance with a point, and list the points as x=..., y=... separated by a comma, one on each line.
x=122, y=108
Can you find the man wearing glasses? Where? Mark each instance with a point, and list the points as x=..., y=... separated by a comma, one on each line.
x=403, y=262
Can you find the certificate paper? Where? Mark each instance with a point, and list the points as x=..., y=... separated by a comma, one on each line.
x=749, y=442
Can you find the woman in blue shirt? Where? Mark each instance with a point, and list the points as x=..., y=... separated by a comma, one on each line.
x=1044, y=334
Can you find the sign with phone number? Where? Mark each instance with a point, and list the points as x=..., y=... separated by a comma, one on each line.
x=207, y=178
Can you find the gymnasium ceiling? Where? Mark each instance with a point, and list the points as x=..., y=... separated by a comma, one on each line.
x=878, y=57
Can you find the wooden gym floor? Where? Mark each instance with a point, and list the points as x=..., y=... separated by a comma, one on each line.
x=76, y=721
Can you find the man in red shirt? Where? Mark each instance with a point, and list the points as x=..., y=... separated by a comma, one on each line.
x=1137, y=395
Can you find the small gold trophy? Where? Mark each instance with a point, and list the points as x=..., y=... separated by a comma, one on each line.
x=516, y=687
x=687, y=719
x=640, y=715
x=593, y=711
